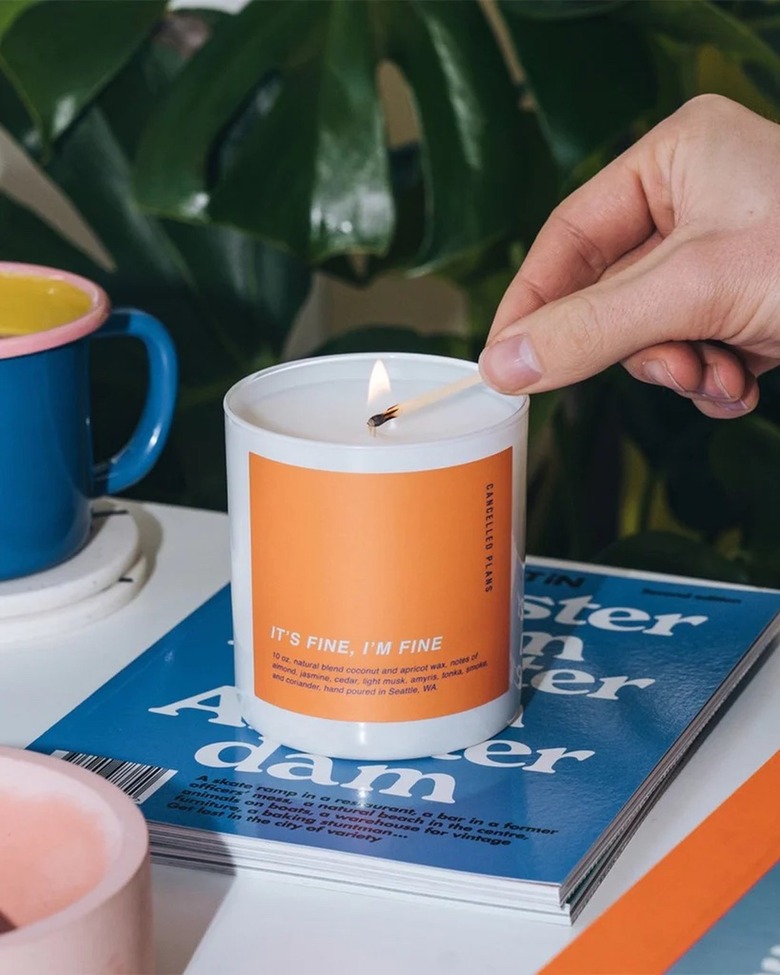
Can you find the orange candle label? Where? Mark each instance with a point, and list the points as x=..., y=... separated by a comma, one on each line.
x=381, y=597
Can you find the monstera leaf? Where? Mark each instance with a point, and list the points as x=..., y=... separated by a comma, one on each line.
x=59, y=55
x=696, y=22
x=311, y=169
x=601, y=79
x=211, y=152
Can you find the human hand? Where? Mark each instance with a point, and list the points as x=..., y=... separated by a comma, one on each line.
x=668, y=261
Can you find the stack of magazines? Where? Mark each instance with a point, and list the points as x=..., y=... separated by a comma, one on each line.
x=623, y=672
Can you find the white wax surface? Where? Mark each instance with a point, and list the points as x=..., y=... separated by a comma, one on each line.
x=336, y=412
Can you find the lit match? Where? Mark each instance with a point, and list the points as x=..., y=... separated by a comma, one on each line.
x=425, y=399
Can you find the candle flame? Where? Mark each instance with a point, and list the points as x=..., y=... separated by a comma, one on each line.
x=379, y=383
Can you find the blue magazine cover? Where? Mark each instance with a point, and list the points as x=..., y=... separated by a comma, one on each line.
x=621, y=672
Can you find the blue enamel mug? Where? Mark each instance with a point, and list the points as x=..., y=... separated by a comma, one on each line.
x=48, y=476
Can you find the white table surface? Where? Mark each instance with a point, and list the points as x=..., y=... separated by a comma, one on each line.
x=215, y=924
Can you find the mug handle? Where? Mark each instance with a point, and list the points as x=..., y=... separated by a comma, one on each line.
x=144, y=447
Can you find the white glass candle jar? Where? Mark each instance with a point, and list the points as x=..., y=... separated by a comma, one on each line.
x=376, y=580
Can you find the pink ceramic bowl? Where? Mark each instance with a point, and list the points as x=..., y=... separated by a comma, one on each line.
x=75, y=887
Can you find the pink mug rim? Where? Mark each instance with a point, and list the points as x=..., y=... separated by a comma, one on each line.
x=128, y=859
x=13, y=346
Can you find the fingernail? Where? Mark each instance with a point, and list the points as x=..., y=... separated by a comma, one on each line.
x=732, y=406
x=712, y=386
x=510, y=365
x=736, y=406
x=657, y=372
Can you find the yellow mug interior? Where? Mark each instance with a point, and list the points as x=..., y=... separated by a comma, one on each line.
x=32, y=303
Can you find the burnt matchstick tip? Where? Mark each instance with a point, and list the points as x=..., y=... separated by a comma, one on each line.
x=379, y=418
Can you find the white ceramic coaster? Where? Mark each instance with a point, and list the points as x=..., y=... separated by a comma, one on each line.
x=104, y=576
x=112, y=547
x=34, y=626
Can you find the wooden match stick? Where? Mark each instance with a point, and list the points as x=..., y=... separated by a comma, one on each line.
x=424, y=399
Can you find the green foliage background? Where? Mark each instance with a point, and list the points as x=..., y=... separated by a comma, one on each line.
x=222, y=158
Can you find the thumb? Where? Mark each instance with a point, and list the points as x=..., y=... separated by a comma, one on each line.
x=669, y=295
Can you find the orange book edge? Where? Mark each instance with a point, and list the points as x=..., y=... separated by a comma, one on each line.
x=669, y=909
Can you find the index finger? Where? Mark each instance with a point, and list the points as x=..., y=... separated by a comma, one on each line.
x=595, y=226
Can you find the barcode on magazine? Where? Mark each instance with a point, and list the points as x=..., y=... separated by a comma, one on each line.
x=134, y=779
